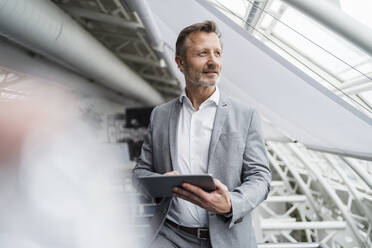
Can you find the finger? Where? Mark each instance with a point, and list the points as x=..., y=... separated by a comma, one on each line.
x=187, y=199
x=217, y=182
x=192, y=200
x=188, y=195
x=171, y=173
x=184, y=192
x=219, y=185
x=196, y=191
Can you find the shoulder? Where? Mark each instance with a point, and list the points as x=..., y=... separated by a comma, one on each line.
x=165, y=108
x=238, y=107
x=244, y=114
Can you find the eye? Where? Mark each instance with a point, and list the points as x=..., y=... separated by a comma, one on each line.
x=203, y=53
x=218, y=53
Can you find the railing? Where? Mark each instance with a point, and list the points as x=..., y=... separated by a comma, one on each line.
x=291, y=245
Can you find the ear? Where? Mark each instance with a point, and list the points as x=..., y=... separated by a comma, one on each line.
x=180, y=63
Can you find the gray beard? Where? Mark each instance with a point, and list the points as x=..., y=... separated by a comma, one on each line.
x=201, y=83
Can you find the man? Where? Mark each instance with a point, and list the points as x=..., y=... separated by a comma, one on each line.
x=203, y=131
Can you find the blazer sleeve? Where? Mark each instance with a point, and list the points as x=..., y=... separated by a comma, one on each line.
x=144, y=166
x=256, y=175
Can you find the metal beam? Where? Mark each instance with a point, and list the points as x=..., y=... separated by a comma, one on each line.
x=289, y=245
x=44, y=28
x=356, y=81
x=287, y=198
x=167, y=90
x=358, y=170
x=357, y=89
x=147, y=18
x=357, y=155
x=255, y=14
x=105, y=33
x=17, y=59
x=96, y=16
x=139, y=59
x=275, y=226
x=160, y=79
x=153, y=33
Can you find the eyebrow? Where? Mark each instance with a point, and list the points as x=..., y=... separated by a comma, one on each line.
x=202, y=49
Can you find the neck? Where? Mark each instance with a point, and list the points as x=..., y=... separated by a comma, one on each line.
x=198, y=94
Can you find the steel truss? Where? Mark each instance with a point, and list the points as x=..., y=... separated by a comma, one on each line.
x=315, y=197
x=119, y=28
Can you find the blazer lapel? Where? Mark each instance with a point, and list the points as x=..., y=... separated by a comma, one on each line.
x=221, y=113
x=173, y=122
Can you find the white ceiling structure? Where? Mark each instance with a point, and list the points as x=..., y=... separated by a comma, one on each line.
x=293, y=105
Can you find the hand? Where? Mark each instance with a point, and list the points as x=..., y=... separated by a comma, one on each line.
x=217, y=201
x=171, y=173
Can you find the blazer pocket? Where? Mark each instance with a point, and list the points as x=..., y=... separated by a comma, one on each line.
x=239, y=220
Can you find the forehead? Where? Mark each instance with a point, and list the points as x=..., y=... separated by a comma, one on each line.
x=199, y=40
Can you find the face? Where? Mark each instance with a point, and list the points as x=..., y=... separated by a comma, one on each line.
x=201, y=63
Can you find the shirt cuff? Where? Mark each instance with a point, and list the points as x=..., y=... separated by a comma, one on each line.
x=228, y=215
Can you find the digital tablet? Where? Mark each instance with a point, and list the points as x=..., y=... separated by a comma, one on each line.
x=162, y=185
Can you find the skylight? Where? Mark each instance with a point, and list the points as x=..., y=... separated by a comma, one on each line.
x=314, y=48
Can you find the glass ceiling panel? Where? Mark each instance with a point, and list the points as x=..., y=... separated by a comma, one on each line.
x=350, y=74
x=324, y=46
x=358, y=9
x=275, y=6
x=238, y=7
x=323, y=55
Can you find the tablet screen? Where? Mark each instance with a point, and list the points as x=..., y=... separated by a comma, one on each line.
x=161, y=185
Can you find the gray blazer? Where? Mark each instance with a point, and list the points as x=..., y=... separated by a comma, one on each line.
x=237, y=157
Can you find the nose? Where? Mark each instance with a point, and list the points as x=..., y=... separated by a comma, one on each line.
x=213, y=59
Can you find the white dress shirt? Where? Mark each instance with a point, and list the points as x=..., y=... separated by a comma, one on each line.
x=194, y=133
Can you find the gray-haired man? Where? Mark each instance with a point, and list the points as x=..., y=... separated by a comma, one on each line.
x=203, y=131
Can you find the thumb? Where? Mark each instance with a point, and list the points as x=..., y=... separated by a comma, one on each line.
x=171, y=173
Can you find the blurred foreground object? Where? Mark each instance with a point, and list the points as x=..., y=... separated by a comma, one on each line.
x=58, y=184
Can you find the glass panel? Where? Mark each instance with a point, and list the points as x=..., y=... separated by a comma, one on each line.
x=323, y=55
x=236, y=10
x=322, y=44
x=358, y=9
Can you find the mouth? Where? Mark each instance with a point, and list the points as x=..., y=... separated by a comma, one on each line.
x=211, y=72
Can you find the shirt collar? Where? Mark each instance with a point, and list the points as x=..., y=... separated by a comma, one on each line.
x=215, y=97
